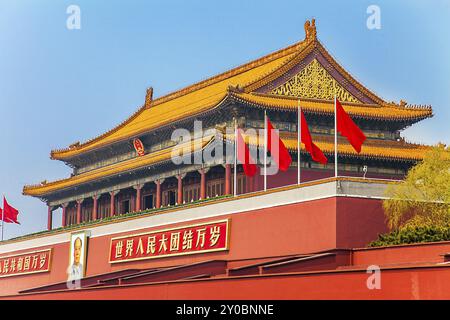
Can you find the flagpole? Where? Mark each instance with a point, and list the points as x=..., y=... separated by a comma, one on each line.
x=335, y=140
x=3, y=216
x=265, y=150
x=235, y=156
x=299, y=141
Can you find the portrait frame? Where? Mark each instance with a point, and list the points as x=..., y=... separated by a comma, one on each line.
x=84, y=236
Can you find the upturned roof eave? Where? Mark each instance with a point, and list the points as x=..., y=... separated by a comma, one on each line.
x=289, y=104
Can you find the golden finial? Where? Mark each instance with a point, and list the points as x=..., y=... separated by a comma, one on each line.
x=149, y=97
x=310, y=30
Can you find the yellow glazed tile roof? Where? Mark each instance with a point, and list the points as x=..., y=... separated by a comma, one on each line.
x=186, y=102
x=207, y=95
x=124, y=166
x=387, y=111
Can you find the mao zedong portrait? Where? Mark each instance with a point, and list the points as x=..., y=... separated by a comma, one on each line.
x=75, y=270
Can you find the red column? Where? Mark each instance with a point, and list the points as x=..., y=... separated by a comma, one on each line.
x=64, y=213
x=228, y=178
x=180, y=189
x=250, y=183
x=95, y=207
x=137, y=203
x=49, y=218
x=158, y=193
x=112, y=202
x=79, y=202
x=202, y=183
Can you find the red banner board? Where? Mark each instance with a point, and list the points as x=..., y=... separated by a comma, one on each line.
x=200, y=238
x=25, y=263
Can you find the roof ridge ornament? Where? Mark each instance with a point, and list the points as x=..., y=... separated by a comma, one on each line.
x=148, y=97
x=74, y=145
x=235, y=88
x=405, y=105
x=310, y=30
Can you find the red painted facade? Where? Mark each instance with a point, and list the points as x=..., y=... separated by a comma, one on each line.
x=272, y=253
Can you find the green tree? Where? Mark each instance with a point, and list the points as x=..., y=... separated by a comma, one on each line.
x=423, y=198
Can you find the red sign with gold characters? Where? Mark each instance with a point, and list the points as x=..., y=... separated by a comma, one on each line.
x=25, y=263
x=200, y=238
x=139, y=147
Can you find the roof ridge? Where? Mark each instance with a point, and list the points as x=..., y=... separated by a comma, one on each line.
x=310, y=36
x=347, y=74
x=316, y=45
x=287, y=65
x=229, y=73
x=120, y=125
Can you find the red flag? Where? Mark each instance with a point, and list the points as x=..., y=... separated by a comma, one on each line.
x=316, y=154
x=348, y=128
x=243, y=155
x=4, y=217
x=281, y=156
x=9, y=213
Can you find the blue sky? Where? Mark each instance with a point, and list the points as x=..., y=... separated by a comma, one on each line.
x=58, y=86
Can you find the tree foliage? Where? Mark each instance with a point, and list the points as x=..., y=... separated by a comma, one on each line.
x=412, y=234
x=423, y=198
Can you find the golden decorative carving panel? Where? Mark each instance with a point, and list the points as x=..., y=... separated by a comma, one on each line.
x=314, y=82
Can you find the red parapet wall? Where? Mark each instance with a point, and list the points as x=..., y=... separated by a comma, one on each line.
x=289, y=177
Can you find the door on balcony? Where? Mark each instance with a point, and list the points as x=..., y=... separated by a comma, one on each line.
x=148, y=202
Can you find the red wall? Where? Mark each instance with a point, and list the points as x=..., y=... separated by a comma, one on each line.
x=290, y=229
x=59, y=264
x=358, y=221
x=414, y=253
